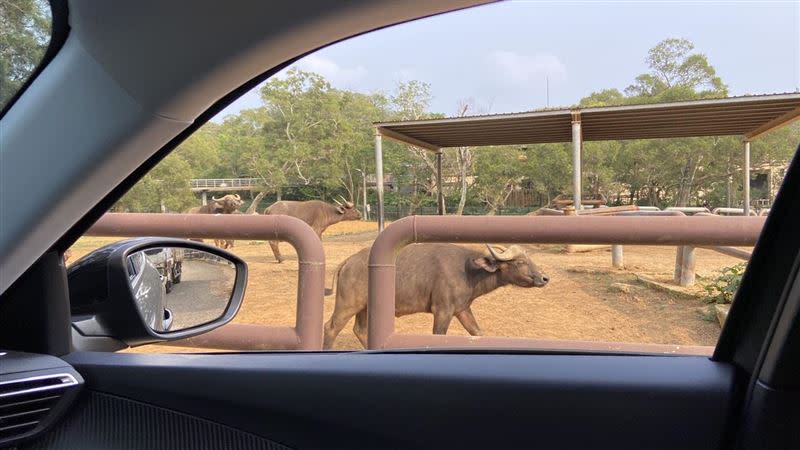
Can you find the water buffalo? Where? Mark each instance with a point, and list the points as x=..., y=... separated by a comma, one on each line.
x=228, y=204
x=228, y=243
x=318, y=214
x=441, y=279
x=223, y=205
x=211, y=207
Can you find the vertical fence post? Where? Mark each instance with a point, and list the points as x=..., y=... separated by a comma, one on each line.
x=687, y=269
x=616, y=256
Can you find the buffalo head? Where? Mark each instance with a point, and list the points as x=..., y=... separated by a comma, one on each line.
x=229, y=203
x=348, y=209
x=513, y=266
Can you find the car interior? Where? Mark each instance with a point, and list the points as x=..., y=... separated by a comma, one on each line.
x=120, y=86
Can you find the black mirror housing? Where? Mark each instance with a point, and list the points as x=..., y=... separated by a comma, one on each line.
x=104, y=307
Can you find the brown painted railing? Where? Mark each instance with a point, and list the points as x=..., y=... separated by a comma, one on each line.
x=307, y=332
x=678, y=230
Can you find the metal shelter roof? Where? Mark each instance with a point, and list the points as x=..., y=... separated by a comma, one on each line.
x=747, y=116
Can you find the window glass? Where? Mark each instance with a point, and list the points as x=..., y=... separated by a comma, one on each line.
x=308, y=134
x=24, y=36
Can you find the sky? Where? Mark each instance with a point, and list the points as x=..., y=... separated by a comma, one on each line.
x=502, y=57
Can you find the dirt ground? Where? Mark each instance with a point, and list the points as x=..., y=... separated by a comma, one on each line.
x=585, y=299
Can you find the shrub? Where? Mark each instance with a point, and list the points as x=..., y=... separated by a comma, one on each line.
x=723, y=288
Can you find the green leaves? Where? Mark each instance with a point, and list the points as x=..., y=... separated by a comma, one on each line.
x=676, y=74
x=317, y=139
x=723, y=288
x=24, y=35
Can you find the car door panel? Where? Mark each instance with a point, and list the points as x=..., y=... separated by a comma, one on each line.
x=369, y=400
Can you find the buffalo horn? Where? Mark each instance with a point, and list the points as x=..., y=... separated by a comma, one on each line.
x=347, y=203
x=505, y=254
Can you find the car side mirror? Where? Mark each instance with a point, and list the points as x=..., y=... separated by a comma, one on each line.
x=148, y=290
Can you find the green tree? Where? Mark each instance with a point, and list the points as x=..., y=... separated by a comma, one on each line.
x=297, y=109
x=677, y=74
x=165, y=188
x=498, y=174
x=411, y=165
x=663, y=171
x=24, y=35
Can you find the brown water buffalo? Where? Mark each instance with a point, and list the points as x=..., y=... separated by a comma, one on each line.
x=441, y=279
x=317, y=214
x=211, y=207
x=228, y=204
x=228, y=243
x=223, y=205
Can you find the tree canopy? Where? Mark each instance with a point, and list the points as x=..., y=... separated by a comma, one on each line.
x=24, y=35
x=309, y=139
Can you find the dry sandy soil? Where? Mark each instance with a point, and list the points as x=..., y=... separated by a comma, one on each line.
x=577, y=304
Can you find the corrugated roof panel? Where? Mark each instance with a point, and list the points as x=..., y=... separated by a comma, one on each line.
x=716, y=117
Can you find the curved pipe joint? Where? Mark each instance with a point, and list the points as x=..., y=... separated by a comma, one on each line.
x=307, y=332
x=676, y=230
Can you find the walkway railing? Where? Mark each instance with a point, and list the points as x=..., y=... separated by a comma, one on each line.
x=204, y=184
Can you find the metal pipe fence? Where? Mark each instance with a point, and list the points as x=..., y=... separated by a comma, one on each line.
x=307, y=332
x=544, y=229
x=677, y=230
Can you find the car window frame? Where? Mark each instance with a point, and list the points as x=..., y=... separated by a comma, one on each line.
x=728, y=347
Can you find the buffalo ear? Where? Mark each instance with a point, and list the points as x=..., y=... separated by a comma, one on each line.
x=486, y=264
x=340, y=209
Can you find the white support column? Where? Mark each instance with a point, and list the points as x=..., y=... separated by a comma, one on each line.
x=204, y=197
x=577, y=138
x=439, y=184
x=746, y=180
x=379, y=177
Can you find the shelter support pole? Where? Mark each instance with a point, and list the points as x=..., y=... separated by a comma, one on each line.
x=204, y=197
x=746, y=180
x=366, y=208
x=730, y=192
x=576, y=160
x=379, y=177
x=687, y=267
x=439, y=190
x=678, y=264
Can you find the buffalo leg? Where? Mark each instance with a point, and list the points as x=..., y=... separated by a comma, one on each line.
x=335, y=324
x=441, y=321
x=360, y=328
x=468, y=321
x=276, y=251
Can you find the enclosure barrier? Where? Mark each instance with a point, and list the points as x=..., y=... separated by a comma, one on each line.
x=307, y=332
x=695, y=231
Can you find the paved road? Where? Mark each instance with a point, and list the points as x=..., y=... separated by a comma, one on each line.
x=202, y=295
